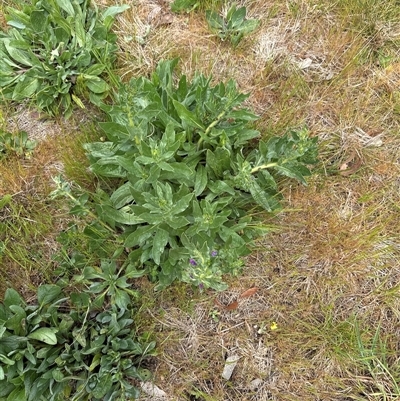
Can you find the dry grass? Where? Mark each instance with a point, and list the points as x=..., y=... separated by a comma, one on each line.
x=330, y=277
x=30, y=223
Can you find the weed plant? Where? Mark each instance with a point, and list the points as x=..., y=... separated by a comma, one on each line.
x=191, y=185
x=16, y=144
x=233, y=26
x=56, y=52
x=62, y=348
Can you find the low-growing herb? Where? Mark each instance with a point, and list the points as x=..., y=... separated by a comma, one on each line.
x=16, y=144
x=192, y=180
x=56, y=52
x=63, y=348
x=234, y=26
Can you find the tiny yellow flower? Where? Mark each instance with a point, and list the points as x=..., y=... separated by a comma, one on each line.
x=273, y=326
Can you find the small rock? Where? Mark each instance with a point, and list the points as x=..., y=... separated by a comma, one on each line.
x=230, y=365
x=152, y=390
x=303, y=64
x=254, y=384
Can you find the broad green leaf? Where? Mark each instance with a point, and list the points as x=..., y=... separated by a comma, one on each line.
x=80, y=300
x=16, y=24
x=57, y=375
x=104, y=384
x=61, y=34
x=79, y=334
x=144, y=375
x=114, y=10
x=223, y=156
x=18, y=394
x=245, y=135
x=45, y=334
x=66, y=323
x=80, y=33
x=38, y=20
x=132, y=272
x=108, y=213
x=248, y=26
x=188, y=118
x=267, y=180
x=237, y=17
x=97, y=85
x=18, y=310
x=25, y=88
x=43, y=352
x=66, y=5
x=165, y=166
x=178, y=222
x=182, y=88
x=292, y=172
x=243, y=114
x=221, y=187
x=214, y=163
x=200, y=180
x=153, y=218
x=12, y=297
x=214, y=20
x=95, y=69
x=91, y=273
x=182, y=204
x=19, y=56
x=132, y=392
x=153, y=174
x=261, y=197
x=122, y=299
x=181, y=173
x=231, y=11
x=6, y=361
x=5, y=389
x=47, y=293
x=138, y=236
x=15, y=14
x=114, y=131
x=159, y=242
x=122, y=195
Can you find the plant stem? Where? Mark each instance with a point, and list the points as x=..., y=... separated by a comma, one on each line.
x=263, y=167
x=211, y=126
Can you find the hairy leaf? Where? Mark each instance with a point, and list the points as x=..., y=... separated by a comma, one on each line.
x=44, y=334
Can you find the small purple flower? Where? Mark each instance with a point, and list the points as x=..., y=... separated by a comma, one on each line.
x=192, y=262
x=214, y=253
x=201, y=286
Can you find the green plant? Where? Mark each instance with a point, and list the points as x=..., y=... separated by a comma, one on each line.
x=184, y=5
x=234, y=26
x=55, y=53
x=190, y=184
x=191, y=5
x=15, y=144
x=376, y=361
x=110, y=282
x=62, y=348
